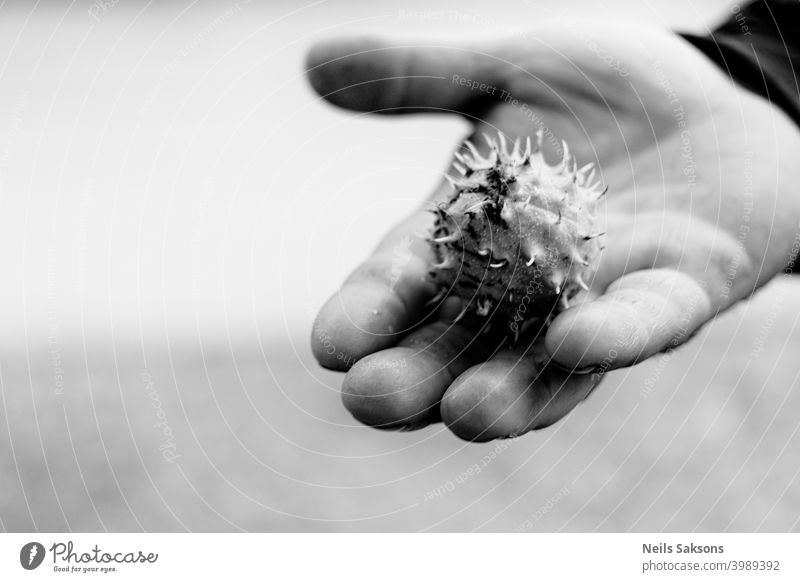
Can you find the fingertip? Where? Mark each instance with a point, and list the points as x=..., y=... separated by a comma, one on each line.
x=358, y=320
x=638, y=315
x=462, y=408
x=345, y=70
x=369, y=74
x=593, y=334
x=399, y=388
x=488, y=402
x=322, y=58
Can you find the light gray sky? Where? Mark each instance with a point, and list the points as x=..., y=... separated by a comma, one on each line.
x=166, y=170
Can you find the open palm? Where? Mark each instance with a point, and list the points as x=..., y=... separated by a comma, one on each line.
x=700, y=212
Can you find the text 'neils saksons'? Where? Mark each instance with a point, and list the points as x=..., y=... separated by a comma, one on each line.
x=663, y=548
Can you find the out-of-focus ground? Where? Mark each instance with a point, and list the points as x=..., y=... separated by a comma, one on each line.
x=705, y=439
x=175, y=206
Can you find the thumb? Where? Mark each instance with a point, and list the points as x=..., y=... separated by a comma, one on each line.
x=366, y=74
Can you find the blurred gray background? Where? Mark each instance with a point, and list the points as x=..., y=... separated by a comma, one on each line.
x=176, y=204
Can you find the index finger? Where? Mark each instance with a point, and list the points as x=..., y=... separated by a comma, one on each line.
x=381, y=300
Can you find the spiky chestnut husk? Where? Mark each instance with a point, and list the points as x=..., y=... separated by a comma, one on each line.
x=517, y=235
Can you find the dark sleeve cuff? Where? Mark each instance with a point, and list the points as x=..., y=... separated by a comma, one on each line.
x=759, y=47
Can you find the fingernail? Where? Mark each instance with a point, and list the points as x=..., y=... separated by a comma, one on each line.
x=579, y=371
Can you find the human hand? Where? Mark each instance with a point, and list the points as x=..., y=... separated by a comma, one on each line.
x=701, y=211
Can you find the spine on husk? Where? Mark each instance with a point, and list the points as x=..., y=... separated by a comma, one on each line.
x=517, y=237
